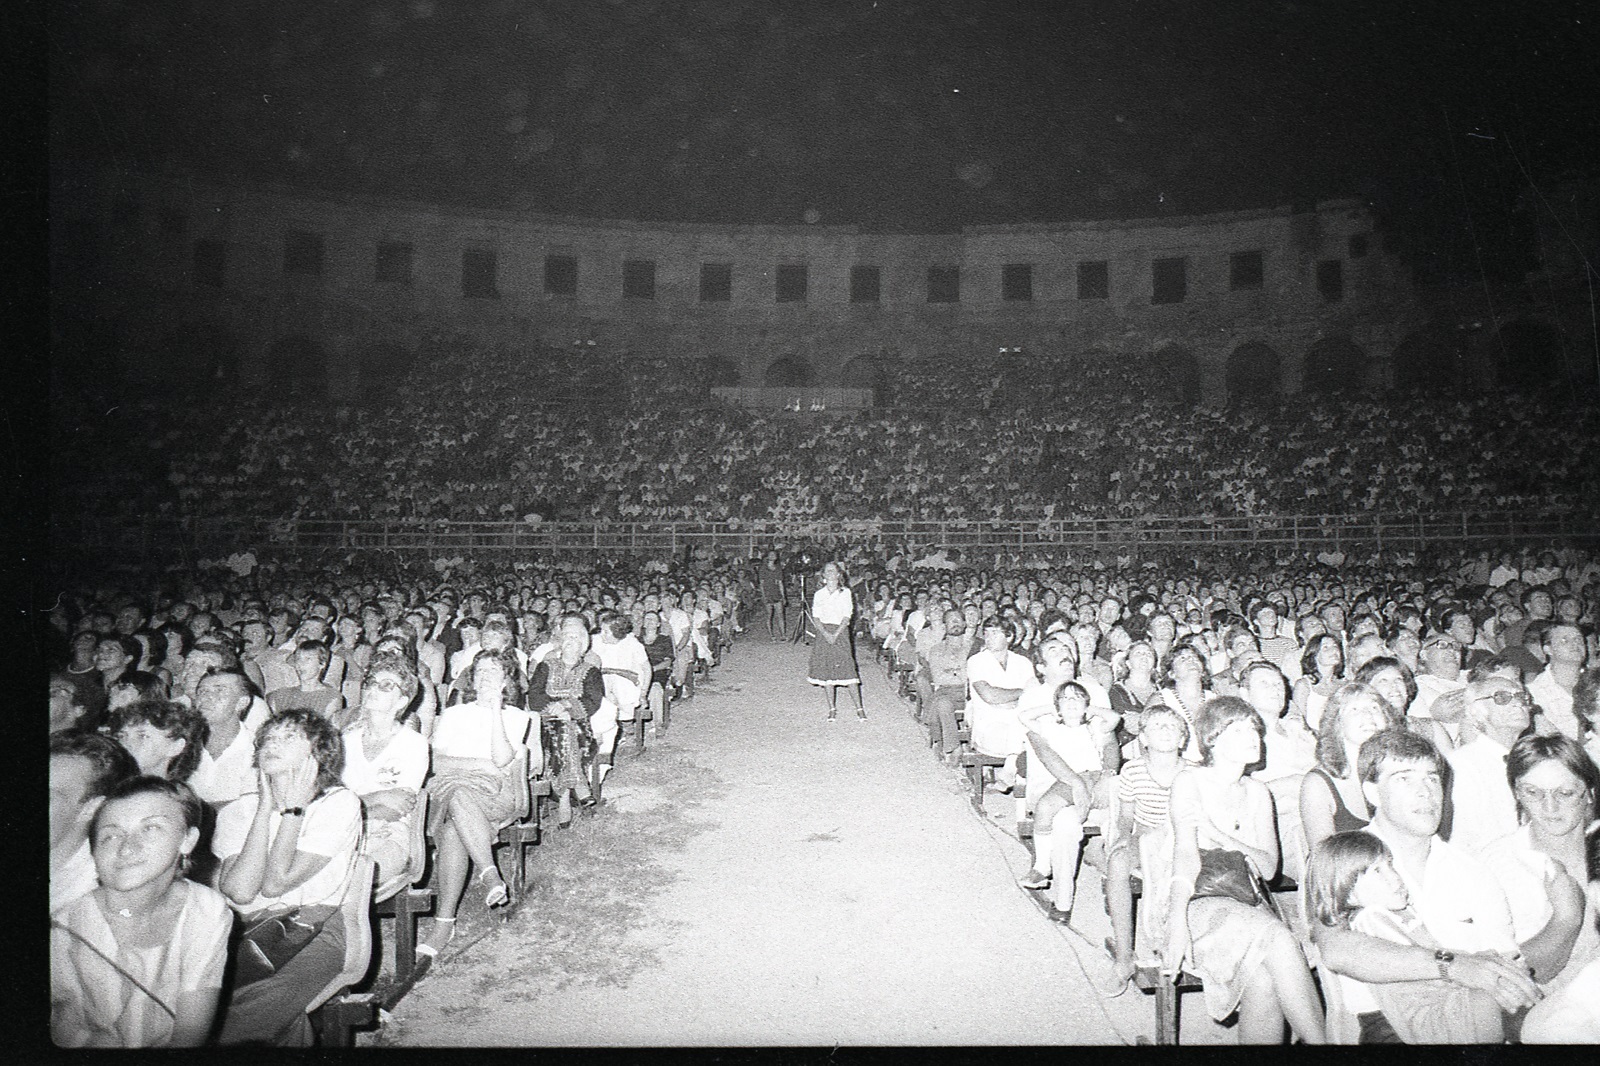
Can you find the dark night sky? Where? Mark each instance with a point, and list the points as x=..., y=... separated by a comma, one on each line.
x=894, y=114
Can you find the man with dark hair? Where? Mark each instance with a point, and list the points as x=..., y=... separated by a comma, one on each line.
x=83, y=767
x=1565, y=653
x=227, y=761
x=1457, y=621
x=1459, y=901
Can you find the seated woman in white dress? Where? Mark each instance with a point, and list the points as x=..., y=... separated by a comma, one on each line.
x=139, y=961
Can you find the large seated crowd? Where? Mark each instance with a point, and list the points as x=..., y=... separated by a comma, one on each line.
x=483, y=436
x=1410, y=738
x=1352, y=794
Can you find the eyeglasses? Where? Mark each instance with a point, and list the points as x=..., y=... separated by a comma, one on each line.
x=1532, y=796
x=1503, y=697
x=387, y=684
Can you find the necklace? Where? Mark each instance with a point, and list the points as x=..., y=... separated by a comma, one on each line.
x=123, y=912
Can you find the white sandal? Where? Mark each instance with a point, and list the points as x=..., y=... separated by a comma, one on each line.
x=426, y=950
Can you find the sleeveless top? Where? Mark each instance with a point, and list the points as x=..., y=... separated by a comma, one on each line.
x=1344, y=819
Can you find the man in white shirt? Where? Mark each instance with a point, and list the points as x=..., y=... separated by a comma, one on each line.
x=681, y=622
x=1565, y=654
x=997, y=677
x=1482, y=806
x=83, y=768
x=1459, y=901
x=226, y=769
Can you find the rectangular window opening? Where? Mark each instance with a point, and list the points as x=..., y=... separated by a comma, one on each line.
x=1330, y=279
x=1016, y=281
x=1358, y=245
x=210, y=263
x=639, y=279
x=865, y=285
x=561, y=275
x=1169, y=280
x=1245, y=271
x=716, y=282
x=1094, y=280
x=790, y=283
x=477, y=274
x=944, y=284
x=393, y=262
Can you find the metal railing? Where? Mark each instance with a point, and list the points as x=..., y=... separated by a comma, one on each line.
x=169, y=538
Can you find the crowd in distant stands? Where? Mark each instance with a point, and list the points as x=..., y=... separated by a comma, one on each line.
x=226, y=750
x=524, y=439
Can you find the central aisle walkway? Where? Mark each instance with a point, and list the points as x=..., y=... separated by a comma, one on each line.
x=799, y=882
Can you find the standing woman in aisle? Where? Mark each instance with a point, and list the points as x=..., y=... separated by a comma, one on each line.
x=833, y=656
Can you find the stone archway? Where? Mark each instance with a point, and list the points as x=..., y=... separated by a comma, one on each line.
x=789, y=372
x=1527, y=354
x=1334, y=364
x=1255, y=373
x=865, y=372
x=297, y=366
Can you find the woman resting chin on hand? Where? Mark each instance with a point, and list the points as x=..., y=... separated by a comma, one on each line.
x=286, y=855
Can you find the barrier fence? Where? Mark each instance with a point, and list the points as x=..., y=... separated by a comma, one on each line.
x=163, y=539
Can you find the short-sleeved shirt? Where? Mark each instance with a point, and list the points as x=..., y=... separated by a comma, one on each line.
x=1459, y=900
x=403, y=762
x=230, y=775
x=832, y=607
x=1484, y=808
x=462, y=731
x=996, y=730
x=331, y=826
x=947, y=663
x=96, y=1006
x=1151, y=800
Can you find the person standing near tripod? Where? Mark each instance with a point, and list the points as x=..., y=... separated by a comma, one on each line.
x=833, y=657
x=772, y=593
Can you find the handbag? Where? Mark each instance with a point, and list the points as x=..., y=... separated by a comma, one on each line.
x=270, y=944
x=1227, y=874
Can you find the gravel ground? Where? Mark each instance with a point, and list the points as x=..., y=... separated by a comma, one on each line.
x=763, y=877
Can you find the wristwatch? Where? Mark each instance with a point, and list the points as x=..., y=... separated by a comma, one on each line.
x=1444, y=959
x=298, y=812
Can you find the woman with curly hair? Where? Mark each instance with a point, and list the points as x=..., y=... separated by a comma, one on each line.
x=287, y=852
x=164, y=738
